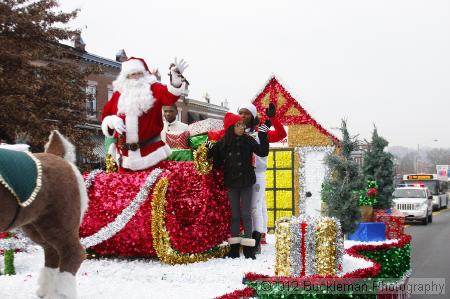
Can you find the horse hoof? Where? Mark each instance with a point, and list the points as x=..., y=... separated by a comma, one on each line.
x=46, y=281
x=65, y=286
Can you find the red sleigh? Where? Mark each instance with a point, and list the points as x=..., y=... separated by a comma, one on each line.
x=184, y=217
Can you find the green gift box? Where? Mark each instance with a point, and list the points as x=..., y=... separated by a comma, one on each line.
x=196, y=141
x=181, y=155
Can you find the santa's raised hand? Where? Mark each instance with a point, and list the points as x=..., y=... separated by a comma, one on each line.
x=180, y=66
x=176, y=72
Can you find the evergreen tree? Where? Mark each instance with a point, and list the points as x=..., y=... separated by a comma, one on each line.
x=340, y=189
x=379, y=166
x=42, y=85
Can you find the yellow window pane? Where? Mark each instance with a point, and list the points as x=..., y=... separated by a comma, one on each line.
x=284, y=179
x=270, y=222
x=283, y=159
x=269, y=199
x=283, y=199
x=269, y=179
x=270, y=160
x=281, y=214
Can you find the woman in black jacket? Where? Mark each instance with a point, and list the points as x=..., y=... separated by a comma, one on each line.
x=234, y=153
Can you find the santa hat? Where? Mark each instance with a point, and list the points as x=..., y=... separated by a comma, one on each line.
x=250, y=107
x=230, y=119
x=134, y=65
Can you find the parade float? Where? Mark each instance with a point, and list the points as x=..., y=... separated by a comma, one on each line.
x=178, y=212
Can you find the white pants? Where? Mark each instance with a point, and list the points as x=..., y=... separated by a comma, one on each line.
x=259, y=209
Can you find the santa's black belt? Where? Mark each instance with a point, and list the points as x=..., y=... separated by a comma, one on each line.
x=137, y=145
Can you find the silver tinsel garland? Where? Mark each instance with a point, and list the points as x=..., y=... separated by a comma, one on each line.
x=19, y=241
x=302, y=152
x=296, y=246
x=340, y=250
x=91, y=177
x=310, y=244
x=122, y=219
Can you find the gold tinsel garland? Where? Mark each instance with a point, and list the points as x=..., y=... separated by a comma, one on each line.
x=161, y=239
x=307, y=135
x=111, y=165
x=326, y=263
x=201, y=162
x=283, y=247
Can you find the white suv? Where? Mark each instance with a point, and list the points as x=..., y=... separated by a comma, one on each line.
x=415, y=202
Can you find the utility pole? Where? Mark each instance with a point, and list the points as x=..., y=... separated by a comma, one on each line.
x=417, y=159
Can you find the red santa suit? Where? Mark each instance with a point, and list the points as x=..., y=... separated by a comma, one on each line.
x=140, y=147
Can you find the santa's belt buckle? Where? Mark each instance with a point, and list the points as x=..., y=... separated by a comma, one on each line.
x=133, y=146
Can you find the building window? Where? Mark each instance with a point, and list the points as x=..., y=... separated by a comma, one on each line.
x=91, y=100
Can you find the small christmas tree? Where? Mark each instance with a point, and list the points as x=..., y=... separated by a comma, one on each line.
x=379, y=166
x=340, y=189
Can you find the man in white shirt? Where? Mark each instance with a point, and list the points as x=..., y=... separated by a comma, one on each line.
x=172, y=125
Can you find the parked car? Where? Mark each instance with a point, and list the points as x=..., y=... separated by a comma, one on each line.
x=415, y=202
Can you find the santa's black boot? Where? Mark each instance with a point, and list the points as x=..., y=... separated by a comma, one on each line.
x=248, y=246
x=235, y=247
x=257, y=236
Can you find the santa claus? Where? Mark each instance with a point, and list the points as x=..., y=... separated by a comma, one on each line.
x=133, y=114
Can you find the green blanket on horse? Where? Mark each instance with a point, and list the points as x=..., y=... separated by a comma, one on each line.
x=20, y=173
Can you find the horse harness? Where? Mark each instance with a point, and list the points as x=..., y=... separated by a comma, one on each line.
x=21, y=175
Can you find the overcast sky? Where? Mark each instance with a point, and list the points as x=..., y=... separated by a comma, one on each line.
x=371, y=62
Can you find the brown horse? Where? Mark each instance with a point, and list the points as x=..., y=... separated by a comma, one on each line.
x=52, y=220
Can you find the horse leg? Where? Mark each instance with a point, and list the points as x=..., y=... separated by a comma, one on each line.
x=71, y=254
x=47, y=276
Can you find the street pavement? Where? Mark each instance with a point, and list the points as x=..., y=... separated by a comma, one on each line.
x=431, y=250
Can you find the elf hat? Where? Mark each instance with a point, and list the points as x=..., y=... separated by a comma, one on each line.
x=250, y=107
x=230, y=119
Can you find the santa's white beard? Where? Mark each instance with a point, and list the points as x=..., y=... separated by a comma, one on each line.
x=136, y=96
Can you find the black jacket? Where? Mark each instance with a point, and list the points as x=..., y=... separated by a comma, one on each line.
x=236, y=158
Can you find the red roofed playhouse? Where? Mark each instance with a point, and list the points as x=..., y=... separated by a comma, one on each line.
x=296, y=166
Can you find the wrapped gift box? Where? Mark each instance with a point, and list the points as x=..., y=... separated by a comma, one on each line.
x=196, y=141
x=369, y=231
x=394, y=220
x=203, y=126
x=181, y=155
x=308, y=246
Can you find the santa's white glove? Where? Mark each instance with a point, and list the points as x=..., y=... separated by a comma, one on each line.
x=176, y=72
x=117, y=124
x=180, y=66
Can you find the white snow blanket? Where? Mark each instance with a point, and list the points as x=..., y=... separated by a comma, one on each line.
x=109, y=278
